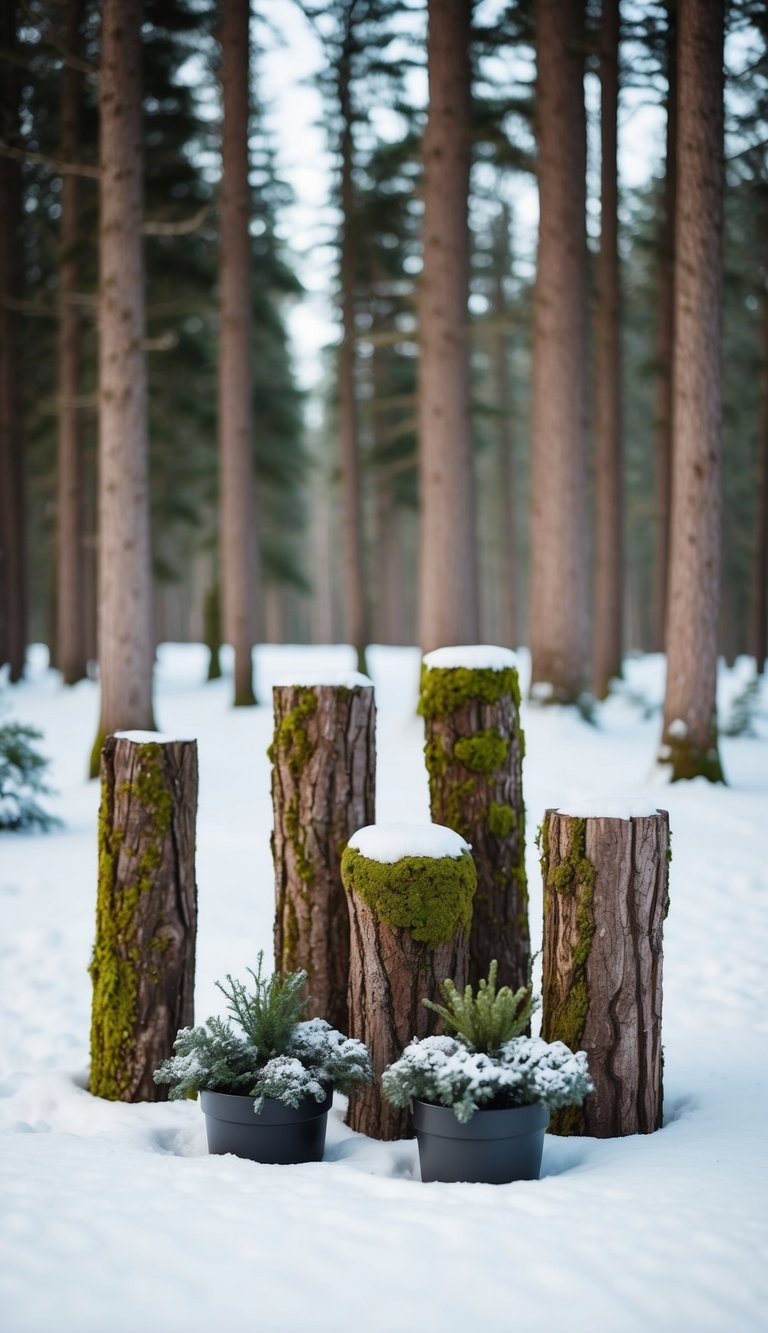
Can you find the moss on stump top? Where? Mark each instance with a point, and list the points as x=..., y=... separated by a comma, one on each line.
x=451, y=678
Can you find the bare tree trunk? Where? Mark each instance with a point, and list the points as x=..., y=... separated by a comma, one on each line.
x=13, y=565
x=609, y=495
x=323, y=790
x=126, y=640
x=760, y=578
x=559, y=560
x=237, y=543
x=605, y=898
x=507, y=463
x=390, y=973
x=689, y=741
x=474, y=753
x=143, y=967
x=665, y=339
x=71, y=654
x=354, y=556
x=448, y=581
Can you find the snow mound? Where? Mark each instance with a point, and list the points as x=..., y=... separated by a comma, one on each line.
x=476, y=656
x=388, y=843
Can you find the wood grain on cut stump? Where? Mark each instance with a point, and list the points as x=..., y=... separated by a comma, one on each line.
x=143, y=967
x=605, y=898
x=323, y=790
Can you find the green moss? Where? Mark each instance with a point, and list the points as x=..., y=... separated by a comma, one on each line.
x=117, y=964
x=482, y=753
x=444, y=690
x=291, y=739
x=435, y=756
x=575, y=874
x=457, y=794
x=429, y=896
x=94, y=765
x=501, y=819
x=687, y=761
x=304, y=867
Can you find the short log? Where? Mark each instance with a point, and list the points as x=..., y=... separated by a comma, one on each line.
x=410, y=924
x=143, y=966
x=605, y=898
x=323, y=789
x=474, y=752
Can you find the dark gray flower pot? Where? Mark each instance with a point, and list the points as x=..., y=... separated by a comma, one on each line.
x=279, y=1135
x=496, y=1146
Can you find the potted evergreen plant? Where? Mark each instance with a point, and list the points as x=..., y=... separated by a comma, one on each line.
x=266, y=1090
x=481, y=1098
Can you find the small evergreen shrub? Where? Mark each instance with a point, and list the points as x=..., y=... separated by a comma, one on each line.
x=489, y=1063
x=22, y=770
x=274, y=1054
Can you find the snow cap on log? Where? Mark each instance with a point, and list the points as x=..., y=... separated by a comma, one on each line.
x=610, y=807
x=474, y=656
x=345, y=680
x=388, y=843
x=151, y=737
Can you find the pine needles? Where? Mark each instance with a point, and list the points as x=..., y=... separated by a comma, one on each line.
x=489, y=1019
x=268, y=1014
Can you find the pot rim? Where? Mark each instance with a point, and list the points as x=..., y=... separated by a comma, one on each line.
x=488, y=1122
x=238, y=1108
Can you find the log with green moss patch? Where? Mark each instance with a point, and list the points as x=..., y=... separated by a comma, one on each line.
x=323, y=789
x=473, y=751
x=410, y=923
x=605, y=891
x=143, y=965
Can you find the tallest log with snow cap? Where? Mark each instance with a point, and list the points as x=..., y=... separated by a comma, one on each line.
x=474, y=746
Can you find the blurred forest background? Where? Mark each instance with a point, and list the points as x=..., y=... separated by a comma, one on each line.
x=362, y=427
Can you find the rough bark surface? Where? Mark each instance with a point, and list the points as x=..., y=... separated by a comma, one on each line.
x=759, y=610
x=665, y=338
x=605, y=898
x=390, y=974
x=559, y=566
x=448, y=583
x=143, y=967
x=689, y=742
x=323, y=790
x=126, y=639
x=236, y=496
x=474, y=758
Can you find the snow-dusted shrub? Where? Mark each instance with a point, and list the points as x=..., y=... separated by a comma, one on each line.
x=21, y=779
x=488, y=1063
x=274, y=1054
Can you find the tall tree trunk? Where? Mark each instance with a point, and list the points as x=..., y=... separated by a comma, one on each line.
x=760, y=577
x=126, y=641
x=559, y=583
x=507, y=475
x=354, y=576
x=71, y=654
x=237, y=543
x=689, y=742
x=448, y=580
x=665, y=339
x=13, y=594
x=609, y=497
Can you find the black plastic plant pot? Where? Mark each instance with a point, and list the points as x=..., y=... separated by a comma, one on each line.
x=279, y=1135
x=496, y=1147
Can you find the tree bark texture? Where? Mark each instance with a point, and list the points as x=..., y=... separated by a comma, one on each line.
x=238, y=550
x=605, y=898
x=71, y=652
x=759, y=627
x=13, y=565
x=126, y=639
x=665, y=339
x=474, y=755
x=143, y=967
x=559, y=561
x=689, y=743
x=323, y=790
x=390, y=974
x=448, y=581
x=609, y=481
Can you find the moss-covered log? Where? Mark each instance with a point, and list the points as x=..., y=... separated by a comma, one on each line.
x=323, y=789
x=410, y=922
x=143, y=967
x=605, y=898
x=474, y=752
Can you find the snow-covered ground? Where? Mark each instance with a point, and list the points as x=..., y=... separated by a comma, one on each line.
x=113, y=1217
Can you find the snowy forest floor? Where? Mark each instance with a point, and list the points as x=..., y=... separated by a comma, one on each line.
x=114, y=1216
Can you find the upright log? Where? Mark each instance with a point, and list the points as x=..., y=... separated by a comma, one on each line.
x=470, y=702
x=605, y=898
x=323, y=789
x=409, y=917
x=143, y=967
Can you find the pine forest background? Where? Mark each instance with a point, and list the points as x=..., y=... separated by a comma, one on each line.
x=373, y=49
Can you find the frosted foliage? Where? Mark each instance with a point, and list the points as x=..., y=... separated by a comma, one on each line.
x=525, y=1072
x=388, y=843
x=286, y=1080
x=475, y=656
